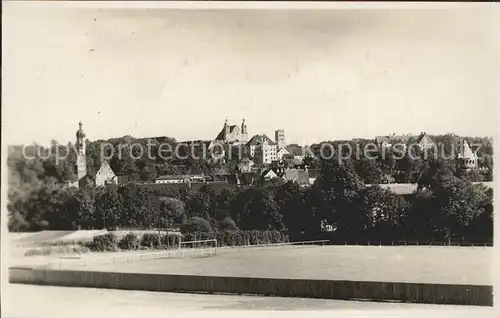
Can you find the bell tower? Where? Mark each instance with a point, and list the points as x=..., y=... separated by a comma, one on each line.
x=81, y=158
x=279, y=137
x=226, y=130
x=244, y=132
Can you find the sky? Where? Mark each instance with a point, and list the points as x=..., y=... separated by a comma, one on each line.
x=319, y=75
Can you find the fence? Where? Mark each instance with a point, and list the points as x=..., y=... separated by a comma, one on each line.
x=130, y=256
x=328, y=289
x=301, y=243
x=411, y=243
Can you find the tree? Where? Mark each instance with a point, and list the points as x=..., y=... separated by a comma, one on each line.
x=368, y=171
x=228, y=225
x=435, y=174
x=202, y=204
x=480, y=227
x=172, y=211
x=255, y=209
x=335, y=194
x=196, y=224
x=224, y=201
x=408, y=169
x=385, y=211
x=135, y=205
x=86, y=209
x=294, y=205
x=108, y=207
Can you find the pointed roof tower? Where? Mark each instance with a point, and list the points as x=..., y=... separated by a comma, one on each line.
x=465, y=152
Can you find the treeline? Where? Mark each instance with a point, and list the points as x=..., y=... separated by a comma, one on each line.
x=389, y=167
x=339, y=206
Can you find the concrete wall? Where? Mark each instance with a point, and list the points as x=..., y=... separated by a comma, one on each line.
x=414, y=292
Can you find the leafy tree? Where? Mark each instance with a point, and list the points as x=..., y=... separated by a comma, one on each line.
x=385, y=211
x=256, y=209
x=108, y=207
x=228, y=225
x=294, y=205
x=368, y=171
x=224, y=203
x=196, y=224
x=173, y=210
x=201, y=204
x=337, y=191
x=435, y=174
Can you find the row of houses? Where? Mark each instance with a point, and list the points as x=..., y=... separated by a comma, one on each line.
x=423, y=141
x=303, y=177
x=466, y=158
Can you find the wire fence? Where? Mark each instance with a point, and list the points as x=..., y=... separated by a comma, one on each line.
x=414, y=243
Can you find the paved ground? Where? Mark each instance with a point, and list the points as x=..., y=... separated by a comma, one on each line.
x=455, y=265
x=27, y=301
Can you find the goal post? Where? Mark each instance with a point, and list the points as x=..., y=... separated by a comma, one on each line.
x=198, y=248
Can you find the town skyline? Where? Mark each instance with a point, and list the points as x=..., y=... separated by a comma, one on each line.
x=269, y=134
x=329, y=75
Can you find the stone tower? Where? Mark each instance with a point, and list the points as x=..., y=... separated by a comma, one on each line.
x=244, y=132
x=279, y=137
x=81, y=159
x=466, y=158
x=226, y=130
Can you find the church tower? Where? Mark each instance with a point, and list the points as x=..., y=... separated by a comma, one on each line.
x=226, y=130
x=279, y=137
x=244, y=132
x=81, y=158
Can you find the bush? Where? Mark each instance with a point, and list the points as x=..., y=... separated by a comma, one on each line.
x=239, y=238
x=171, y=240
x=228, y=225
x=196, y=224
x=129, y=242
x=104, y=243
x=152, y=241
x=61, y=249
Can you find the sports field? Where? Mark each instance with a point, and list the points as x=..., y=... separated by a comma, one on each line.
x=418, y=264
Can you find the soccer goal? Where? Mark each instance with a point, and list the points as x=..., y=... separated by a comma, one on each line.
x=201, y=248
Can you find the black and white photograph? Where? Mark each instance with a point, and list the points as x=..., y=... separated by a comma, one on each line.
x=230, y=157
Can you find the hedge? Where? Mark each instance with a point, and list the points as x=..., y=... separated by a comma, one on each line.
x=109, y=241
x=239, y=238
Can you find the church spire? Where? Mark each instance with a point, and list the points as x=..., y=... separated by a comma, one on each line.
x=226, y=130
x=80, y=139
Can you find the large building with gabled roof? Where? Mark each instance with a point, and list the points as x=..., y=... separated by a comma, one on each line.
x=262, y=149
x=424, y=141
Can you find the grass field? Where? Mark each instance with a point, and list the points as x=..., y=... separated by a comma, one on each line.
x=453, y=265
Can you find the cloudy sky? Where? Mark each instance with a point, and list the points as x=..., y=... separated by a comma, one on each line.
x=320, y=75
